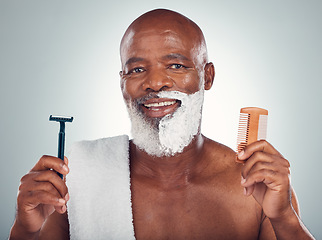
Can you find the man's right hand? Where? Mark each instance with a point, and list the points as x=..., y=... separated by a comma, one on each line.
x=41, y=192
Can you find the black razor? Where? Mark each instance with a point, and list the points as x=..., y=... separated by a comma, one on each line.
x=61, y=135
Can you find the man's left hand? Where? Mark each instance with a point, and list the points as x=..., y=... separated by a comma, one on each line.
x=266, y=176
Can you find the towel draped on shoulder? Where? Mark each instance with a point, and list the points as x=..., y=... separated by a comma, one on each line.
x=99, y=188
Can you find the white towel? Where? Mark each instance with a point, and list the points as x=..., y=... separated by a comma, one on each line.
x=99, y=188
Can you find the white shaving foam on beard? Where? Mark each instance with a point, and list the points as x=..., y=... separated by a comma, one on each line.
x=174, y=131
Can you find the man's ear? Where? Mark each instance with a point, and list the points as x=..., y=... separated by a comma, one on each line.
x=121, y=80
x=209, y=75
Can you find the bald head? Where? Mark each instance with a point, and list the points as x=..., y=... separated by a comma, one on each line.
x=164, y=21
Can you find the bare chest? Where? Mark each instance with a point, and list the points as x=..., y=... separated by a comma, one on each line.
x=195, y=212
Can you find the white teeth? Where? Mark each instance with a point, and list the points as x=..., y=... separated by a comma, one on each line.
x=160, y=104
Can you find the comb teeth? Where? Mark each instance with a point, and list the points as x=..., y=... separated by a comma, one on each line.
x=243, y=131
x=252, y=126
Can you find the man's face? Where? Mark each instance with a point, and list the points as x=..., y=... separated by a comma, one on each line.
x=156, y=60
x=162, y=83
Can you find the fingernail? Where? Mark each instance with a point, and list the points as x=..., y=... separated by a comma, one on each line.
x=245, y=191
x=240, y=154
x=243, y=180
x=63, y=208
x=61, y=200
x=67, y=197
x=65, y=168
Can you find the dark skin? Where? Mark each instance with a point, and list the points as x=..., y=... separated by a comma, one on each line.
x=201, y=193
x=202, y=201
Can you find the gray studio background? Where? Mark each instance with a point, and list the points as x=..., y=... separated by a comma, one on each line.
x=61, y=57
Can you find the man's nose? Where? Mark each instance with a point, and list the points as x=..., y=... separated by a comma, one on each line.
x=157, y=81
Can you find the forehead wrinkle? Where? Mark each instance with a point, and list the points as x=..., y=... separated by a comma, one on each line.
x=175, y=56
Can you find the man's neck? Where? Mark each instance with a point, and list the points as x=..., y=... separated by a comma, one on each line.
x=169, y=171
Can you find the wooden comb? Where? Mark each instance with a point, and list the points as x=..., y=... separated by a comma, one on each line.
x=252, y=126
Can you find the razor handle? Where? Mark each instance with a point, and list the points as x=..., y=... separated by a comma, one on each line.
x=61, y=135
x=61, y=144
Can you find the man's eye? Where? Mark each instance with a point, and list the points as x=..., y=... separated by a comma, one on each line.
x=176, y=66
x=136, y=70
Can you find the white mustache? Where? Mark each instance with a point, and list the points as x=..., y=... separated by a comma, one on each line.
x=164, y=94
x=173, y=95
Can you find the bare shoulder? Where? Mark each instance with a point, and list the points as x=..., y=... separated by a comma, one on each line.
x=220, y=186
x=55, y=227
x=218, y=148
x=221, y=157
x=222, y=168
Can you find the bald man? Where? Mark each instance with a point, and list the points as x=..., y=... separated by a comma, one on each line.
x=183, y=185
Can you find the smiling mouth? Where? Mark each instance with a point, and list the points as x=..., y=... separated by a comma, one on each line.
x=158, y=108
x=159, y=104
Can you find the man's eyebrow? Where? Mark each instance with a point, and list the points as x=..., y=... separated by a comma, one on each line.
x=133, y=60
x=175, y=56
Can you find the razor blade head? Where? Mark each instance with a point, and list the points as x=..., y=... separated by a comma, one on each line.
x=60, y=118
